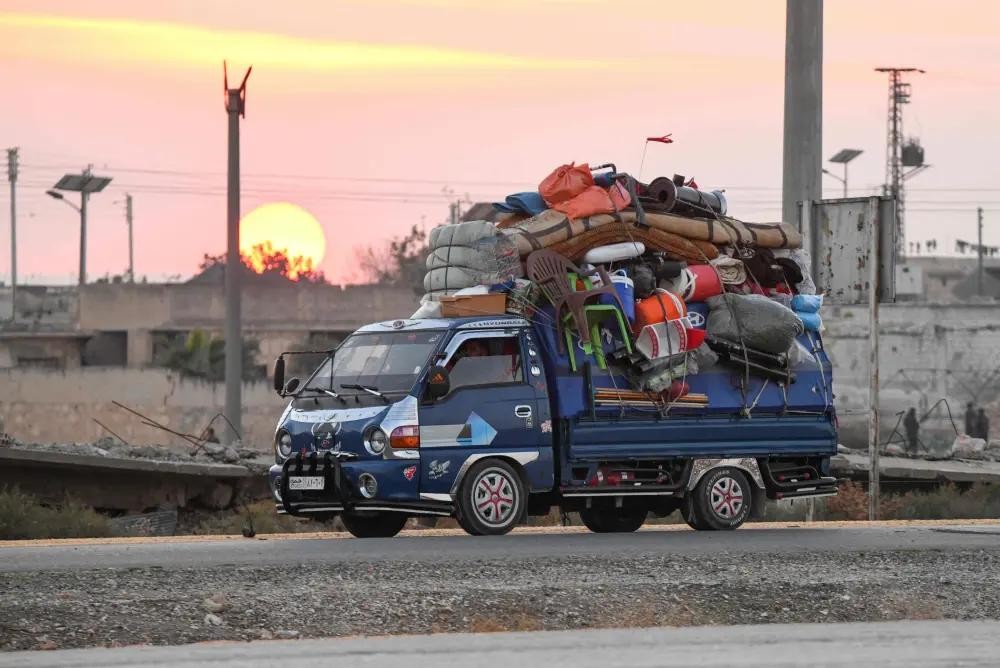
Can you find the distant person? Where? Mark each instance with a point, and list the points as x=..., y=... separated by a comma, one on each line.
x=970, y=420
x=210, y=436
x=982, y=426
x=912, y=427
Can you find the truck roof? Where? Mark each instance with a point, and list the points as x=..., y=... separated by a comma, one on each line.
x=476, y=322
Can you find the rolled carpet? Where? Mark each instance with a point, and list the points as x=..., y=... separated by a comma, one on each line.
x=616, y=232
x=552, y=227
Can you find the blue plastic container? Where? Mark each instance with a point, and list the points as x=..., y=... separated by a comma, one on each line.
x=626, y=292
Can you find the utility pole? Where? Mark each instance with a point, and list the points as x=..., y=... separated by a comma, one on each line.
x=979, y=241
x=899, y=94
x=12, y=177
x=84, y=196
x=235, y=108
x=128, y=221
x=86, y=184
x=803, y=132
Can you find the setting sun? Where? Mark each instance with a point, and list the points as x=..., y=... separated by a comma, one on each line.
x=286, y=227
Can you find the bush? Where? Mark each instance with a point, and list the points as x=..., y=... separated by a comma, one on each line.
x=23, y=517
x=265, y=520
x=851, y=503
x=948, y=502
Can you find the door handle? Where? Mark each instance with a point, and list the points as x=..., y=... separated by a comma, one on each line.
x=522, y=411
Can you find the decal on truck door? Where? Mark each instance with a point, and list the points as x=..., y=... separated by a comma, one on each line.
x=438, y=469
x=474, y=432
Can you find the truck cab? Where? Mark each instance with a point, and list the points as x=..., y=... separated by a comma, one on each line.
x=483, y=419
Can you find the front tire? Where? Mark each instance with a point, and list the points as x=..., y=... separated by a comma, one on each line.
x=491, y=499
x=374, y=524
x=721, y=501
x=611, y=520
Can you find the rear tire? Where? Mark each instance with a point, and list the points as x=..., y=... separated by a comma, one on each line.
x=721, y=501
x=491, y=499
x=612, y=520
x=374, y=524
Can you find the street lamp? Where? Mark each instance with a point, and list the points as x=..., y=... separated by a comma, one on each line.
x=85, y=184
x=843, y=157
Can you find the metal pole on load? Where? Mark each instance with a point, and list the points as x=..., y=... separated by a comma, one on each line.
x=874, y=277
x=235, y=108
x=803, y=126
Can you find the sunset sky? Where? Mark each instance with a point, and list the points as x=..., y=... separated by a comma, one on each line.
x=366, y=111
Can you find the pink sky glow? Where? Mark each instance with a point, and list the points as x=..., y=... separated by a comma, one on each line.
x=366, y=112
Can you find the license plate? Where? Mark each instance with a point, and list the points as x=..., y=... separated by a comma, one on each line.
x=305, y=482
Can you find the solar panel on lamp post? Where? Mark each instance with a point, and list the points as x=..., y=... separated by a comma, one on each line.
x=86, y=184
x=843, y=157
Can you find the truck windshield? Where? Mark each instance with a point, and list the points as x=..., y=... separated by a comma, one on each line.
x=389, y=362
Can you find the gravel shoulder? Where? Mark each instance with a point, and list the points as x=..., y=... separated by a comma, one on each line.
x=378, y=595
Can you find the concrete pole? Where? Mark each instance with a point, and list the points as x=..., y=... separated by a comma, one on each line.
x=803, y=138
x=83, y=239
x=128, y=221
x=12, y=177
x=234, y=274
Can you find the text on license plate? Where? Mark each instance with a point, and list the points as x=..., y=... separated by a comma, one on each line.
x=301, y=482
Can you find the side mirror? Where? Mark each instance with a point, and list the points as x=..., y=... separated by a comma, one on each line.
x=279, y=374
x=291, y=386
x=438, y=382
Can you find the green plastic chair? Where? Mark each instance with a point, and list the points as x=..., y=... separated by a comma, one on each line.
x=595, y=314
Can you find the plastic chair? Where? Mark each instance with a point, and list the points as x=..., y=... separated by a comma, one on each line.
x=556, y=278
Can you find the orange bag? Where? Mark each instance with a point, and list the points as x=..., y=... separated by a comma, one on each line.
x=591, y=202
x=619, y=196
x=565, y=183
x=661, y=306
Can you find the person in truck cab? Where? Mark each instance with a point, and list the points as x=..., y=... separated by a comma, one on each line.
x=485, y=362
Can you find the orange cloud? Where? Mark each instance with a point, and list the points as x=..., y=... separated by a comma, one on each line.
x=130, y=42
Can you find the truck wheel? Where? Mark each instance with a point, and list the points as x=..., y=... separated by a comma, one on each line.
x=690, y=516
x=612, y=521
x=721, y=500
x=491, y=499
x=374, y=524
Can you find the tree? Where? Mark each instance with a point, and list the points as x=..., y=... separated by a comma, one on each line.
x=201, y=355
x=399, y=262
x=267, y=262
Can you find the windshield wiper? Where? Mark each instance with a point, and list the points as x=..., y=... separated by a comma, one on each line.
x=324, y=391
x=370, y=390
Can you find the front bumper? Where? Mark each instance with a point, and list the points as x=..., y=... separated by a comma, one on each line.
x=340, y=493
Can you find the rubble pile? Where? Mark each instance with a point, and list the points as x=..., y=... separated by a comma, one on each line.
x=112, y=448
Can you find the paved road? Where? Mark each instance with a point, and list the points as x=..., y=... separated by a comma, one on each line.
x=885, y=645
x=441, y=549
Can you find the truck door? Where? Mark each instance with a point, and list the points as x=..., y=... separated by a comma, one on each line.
x=491, y=408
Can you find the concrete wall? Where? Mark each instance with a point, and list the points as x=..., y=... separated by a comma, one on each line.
x=52, y=406
x=190, y=306
x=928, y=352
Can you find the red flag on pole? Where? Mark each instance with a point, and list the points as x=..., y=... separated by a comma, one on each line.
x=665, y=139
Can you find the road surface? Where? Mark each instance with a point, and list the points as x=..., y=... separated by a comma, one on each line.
x=886, y=645
x=174, y=592
x=555, y=543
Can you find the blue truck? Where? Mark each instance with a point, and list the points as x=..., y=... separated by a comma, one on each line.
x=485, y=420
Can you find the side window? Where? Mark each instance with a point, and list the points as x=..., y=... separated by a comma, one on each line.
x=487, y=361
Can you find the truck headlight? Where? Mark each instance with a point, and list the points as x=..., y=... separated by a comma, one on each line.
x=284, y=443
x=368, y=486
x=375, y=441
